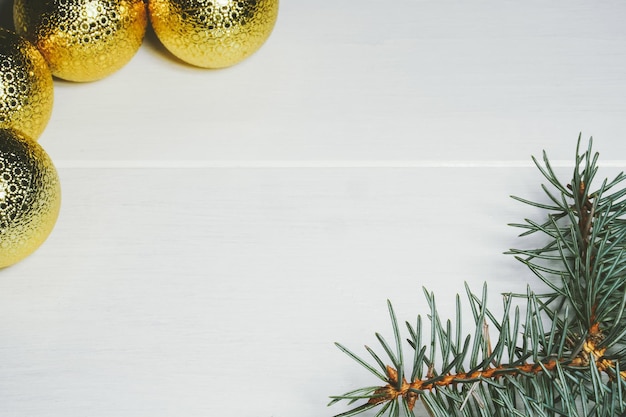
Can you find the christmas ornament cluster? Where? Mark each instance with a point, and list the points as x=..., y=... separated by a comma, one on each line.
x=85, y=41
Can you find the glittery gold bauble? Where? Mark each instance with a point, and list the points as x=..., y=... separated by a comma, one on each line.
x=26, y=89
x=213, y=33
x=83, y=40
x=30, y=196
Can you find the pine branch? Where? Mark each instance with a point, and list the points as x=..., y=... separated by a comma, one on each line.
x=564, y=357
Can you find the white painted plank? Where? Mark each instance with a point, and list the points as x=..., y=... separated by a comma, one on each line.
x=221, y=291
x=419, y=80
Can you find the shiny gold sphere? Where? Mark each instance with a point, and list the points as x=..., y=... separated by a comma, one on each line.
x=83, y=40
x=26, y=88
x=30, y=196
x=213, y=33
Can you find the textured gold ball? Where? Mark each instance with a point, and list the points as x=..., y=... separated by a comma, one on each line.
x=83, y=40
x=213, y=33
x=30, y=196
x=26, y=88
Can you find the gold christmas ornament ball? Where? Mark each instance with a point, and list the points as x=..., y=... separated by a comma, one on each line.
x=213, y=33
x=83, y=40
x=30, y=196
x=26, y=87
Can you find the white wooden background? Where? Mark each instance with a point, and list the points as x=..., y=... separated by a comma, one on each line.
x=221, y=229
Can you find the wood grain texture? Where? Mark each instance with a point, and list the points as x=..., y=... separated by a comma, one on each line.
x=221, y=229
x=204, y=291
x=422, y=80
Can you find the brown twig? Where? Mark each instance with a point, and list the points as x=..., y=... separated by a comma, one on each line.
x=410, y=390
